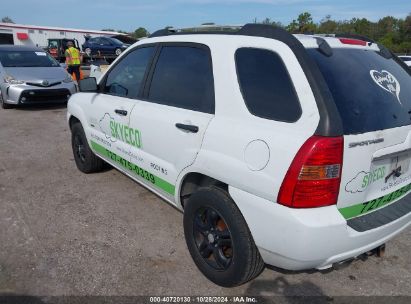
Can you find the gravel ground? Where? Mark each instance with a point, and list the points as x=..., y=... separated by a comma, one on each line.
x=66, y=233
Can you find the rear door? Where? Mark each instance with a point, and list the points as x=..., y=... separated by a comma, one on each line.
x=176, y=109
x=373, y=96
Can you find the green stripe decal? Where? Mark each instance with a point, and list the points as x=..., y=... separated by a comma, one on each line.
x=133, y=168
x=363, y=208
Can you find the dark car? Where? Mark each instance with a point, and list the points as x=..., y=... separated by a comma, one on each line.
x=104, y=46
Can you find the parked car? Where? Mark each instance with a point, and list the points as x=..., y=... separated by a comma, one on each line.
x=104, y=46
x=30, y=75
x=406, y=59
x=292, y=151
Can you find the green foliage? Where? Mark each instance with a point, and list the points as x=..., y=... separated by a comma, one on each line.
x=392, y=32
x=140, y=33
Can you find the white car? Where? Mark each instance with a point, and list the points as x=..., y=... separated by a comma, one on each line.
x=406, y=59
x=292, y=151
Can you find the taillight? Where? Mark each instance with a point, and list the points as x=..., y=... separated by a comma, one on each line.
x=353, y=41
x=314, y=177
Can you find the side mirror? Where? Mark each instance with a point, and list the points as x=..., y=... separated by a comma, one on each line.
x=88, y=84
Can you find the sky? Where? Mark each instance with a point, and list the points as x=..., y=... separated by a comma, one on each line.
x=128, y=15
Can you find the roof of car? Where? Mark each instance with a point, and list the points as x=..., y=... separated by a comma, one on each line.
x=10, y=47
x=268, y=31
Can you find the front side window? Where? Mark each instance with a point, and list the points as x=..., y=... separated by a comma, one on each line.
x=183, y=78
x=126, y=77
x=266, y=85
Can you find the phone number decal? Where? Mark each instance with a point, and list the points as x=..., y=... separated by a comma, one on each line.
x=126, y=164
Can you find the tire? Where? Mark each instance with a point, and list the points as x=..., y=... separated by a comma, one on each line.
x=118, y=52
x=231, y=240
x=86, y=160
x=4, y=105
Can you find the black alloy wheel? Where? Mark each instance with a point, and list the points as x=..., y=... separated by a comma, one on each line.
x=213, y=238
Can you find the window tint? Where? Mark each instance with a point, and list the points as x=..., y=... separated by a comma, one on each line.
x=183, y=78
x=266, y=85
x=126, y=77
x=105, y=41
x=20, y=59
x=406, y=58
x=371, y=92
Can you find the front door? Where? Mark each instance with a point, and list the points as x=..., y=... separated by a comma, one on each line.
x=109, y=111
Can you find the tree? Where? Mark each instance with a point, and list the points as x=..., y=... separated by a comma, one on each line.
x=140, y=33
x=327, y=26
x=7, y=19
x=394, y=33
x=303, y=24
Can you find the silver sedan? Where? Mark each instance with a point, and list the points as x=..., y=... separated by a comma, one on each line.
x=29, y=75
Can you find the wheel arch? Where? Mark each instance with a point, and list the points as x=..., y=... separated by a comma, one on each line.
x=72, y=120
x=191, y=181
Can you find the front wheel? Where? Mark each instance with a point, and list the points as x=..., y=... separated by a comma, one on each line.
x=86, y=160
x=5, y=105
x=118, y=52
x=219, y=240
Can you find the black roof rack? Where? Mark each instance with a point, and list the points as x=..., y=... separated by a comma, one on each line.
x=330, y=120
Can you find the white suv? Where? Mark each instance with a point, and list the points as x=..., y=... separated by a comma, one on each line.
x=292, y=151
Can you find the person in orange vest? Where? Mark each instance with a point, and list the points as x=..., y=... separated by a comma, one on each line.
x=73, y=60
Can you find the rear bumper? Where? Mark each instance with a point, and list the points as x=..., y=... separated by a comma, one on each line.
x=27, y=94
x=298, y=239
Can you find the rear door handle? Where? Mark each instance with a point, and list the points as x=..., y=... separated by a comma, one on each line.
x=121, y=112
x=189, y=128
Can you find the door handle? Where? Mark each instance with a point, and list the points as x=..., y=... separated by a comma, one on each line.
x=121, y=112
x=189, y=128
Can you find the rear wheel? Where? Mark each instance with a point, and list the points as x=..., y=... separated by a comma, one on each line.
x=84, y=157
x=219, y=240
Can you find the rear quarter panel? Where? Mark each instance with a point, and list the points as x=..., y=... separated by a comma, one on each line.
x=222, y=155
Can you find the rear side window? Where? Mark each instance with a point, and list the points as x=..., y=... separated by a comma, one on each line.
x=126, y=77
x=266, y=85
x=371, y=92
x=183, y=78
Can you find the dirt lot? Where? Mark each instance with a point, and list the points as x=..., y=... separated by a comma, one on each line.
x=66, y=233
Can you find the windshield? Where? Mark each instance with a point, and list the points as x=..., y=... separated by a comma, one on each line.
x=22, y=59
x=371, y=92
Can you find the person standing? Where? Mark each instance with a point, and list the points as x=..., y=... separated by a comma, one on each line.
x=73, y=60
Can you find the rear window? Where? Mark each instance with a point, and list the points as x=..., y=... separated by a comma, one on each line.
x=266, y=85
x=371, y=92
x=24, y=59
